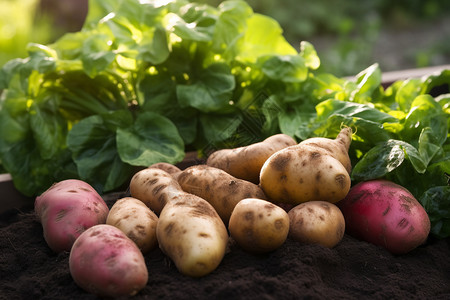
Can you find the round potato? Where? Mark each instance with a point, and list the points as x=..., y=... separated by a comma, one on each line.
x=258, y=225
x=136, y=220
x=316, y=222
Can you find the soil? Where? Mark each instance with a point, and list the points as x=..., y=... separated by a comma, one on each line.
x=352, y=270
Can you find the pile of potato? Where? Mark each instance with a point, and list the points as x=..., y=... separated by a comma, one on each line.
x=255, y=196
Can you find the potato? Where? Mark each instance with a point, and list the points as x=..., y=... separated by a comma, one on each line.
x=136, y=220
x=105, y=262
x=258, y=226
x=169, y=168
x=338, y=147
x=305, y=172
x=246, y=162
x=316, y=222
x=192, y=235
x=386, y=214
x=66, y=209
x=154, y=187
x=219, y=188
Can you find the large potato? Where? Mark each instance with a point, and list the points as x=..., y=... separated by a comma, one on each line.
x=66, y=209
x=154, y=187
x=316, y=222
x=191, y=233
x=136, y=220
x=246, y=162
x=220, y=189
x=105, y=262
x=304, y=173
x=258, y=226
x=386, y=214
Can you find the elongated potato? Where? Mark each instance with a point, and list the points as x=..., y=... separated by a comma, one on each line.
x=136, y=220
x=154, y=187
x=316, y=222
x=191, y=233
x=220, y=189
x=246, y=162
x=258, y=226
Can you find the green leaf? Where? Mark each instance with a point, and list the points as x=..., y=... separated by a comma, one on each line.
x=210, y=91
x=287, y=68
x=425, y=112
x=309, y=54
x=152, y=138
x=263, y=37
x=96, y=54
x=436, y=204
x=93, y=145
x=385, y=158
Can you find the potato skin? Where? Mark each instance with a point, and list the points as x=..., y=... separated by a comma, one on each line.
x=386, y=214
x=136, y=220
x=316, y=222
x=169, y=168
x=338, y=147
x=66, y=209
x=192, y=235
x=304, y=173
x=222, y=190
x=105, y=262
x=154, y=187
x=258, y=226
x=246, y=162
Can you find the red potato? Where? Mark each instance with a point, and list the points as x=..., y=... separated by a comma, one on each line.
x=66, y=210
x=385, y=214
x=105, y=262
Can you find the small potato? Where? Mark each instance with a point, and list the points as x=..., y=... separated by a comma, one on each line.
x=136, y=220
x=258, y=226
x=246, y=162
x=316, y=222
x=154, y=187
x=105, y=262
x=192, y=235
x=222, y=190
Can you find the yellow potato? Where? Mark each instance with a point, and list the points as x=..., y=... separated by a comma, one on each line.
x=136, y=220
x=246, y=162
x=304, y=173
x=220, y=189
x=308, y=172
x=154, y=187
x=192, y=234
x=316, y=222
x=258, y=226
x=338, y=147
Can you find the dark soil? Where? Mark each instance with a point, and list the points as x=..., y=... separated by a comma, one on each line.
x=352, y=270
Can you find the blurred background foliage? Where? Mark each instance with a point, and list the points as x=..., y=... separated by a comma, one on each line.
x=348, y=35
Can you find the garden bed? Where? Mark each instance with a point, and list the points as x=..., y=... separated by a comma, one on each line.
x=351, y=270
